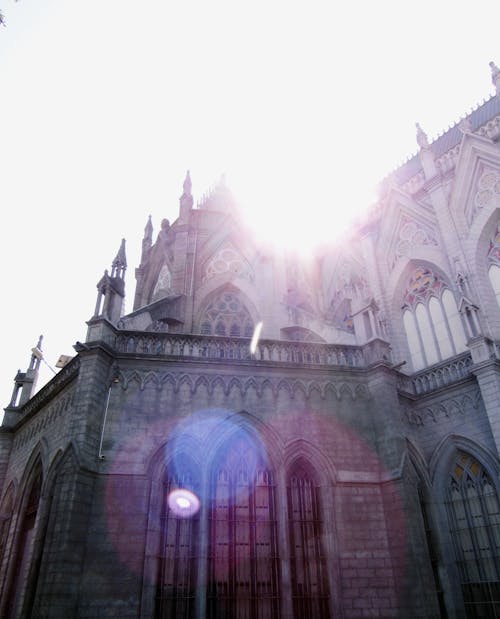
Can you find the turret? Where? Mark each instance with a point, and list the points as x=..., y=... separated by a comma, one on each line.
x=24, y=383
x=111, y=289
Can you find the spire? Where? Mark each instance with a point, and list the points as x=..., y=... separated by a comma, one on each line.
x=147, y=241
x=186, y=200
x=111, y=289
x=119, y=264
x=25, y=382
x=495, y=77
x=148, y=230
x=422, y=139
x=186, y=186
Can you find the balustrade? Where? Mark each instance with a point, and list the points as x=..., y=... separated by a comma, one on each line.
x=238, y=349
x=439, y=375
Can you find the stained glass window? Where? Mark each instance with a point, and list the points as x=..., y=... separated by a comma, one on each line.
x=474, y=516
x=243, y=560
x=434, y=329
x=226, y=315
x=308, y=563
x=178, y=550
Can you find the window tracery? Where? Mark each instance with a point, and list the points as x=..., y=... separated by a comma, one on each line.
x=243, y=556
x=488, y=191
x=308, y=563
x=494, y=264
x=24, y=544
x=227, y=260
x=474, y=516
x=178, y=550
x=431, y=320
x=163, y=284
x=226, y=315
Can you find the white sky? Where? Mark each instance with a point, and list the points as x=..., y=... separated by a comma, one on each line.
x=305, y=106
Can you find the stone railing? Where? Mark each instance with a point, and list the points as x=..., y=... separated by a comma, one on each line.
x=238, y=349
x=439, y=375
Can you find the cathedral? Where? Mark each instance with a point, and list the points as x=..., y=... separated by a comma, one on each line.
x=272, y=436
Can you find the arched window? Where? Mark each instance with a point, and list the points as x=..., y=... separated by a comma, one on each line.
x=178, y=547
x=431, y=320
x=494, y=263
x=24, y=545
x=308, y=563
x=226, y=314
x=5, y=519
x=243, y=559
x=474, y=516
x=431, y=547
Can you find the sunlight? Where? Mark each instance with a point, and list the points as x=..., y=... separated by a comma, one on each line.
x=292, y=208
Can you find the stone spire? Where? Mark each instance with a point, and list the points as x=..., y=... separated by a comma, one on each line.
x=186, y=200
x=148, y=231
x=495, y=77
x=111, y=289
x=25, y=382
x=119, y=264
x=147, y=241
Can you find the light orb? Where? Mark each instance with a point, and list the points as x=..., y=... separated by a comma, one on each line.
x=183, y=503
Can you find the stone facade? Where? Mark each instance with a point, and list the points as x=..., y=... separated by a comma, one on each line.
x=343, y=465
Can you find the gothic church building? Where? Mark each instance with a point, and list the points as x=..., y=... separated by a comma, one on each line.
x=344, y=464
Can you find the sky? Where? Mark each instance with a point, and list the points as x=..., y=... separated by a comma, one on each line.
x=303, y=106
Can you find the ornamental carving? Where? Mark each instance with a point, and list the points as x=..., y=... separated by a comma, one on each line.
x=43, y=421
x=227, y=260
x=164, y=283
x=410, y=234
x=487, y=193
x=445, y=409
x=243, y=384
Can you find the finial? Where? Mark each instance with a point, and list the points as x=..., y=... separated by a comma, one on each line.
x=495, y=76
x=186, y=200
x=121, y=259
x=119, y=264
x=422, y=139
x=148, y=230
x=465, y=125
x=187, y=184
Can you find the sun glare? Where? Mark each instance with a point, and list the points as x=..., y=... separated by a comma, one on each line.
x=298, y=214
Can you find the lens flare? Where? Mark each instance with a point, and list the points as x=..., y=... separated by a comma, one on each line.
x=255, y=337
x=183, y=503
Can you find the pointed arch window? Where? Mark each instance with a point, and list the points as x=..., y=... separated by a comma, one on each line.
x=308, y=563
x=494, y=264
x=24, y=545
x=178, y=548
x=243, y=562
x=432, y=323
x=226, y=314
x=5, y=520
x=474, y=516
